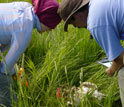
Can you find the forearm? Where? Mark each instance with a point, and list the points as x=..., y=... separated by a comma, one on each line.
x=17, y=48
x=119, y=60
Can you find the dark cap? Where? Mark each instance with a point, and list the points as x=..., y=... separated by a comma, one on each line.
x=68, y=8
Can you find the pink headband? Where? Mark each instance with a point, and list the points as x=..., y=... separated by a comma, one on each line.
x=46, y=10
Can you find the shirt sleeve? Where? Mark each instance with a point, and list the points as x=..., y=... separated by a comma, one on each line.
x=20, y=41
x=109, y=40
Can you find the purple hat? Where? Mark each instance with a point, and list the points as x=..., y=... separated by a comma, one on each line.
x=46, y=10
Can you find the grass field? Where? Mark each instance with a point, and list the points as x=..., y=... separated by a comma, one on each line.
x=55, y=59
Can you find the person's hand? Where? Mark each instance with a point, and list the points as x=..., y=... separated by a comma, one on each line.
x=113, y=68
x=116, y=65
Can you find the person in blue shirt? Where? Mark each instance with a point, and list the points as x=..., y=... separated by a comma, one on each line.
x=17, y=21
x=105, y=21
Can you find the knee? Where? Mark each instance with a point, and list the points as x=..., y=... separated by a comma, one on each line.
x=121, y=74
x=121, y=78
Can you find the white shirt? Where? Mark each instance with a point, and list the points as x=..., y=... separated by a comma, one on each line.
x=17, y=21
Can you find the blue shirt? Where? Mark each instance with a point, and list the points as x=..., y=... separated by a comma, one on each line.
x=106, y=24
x=17, y=21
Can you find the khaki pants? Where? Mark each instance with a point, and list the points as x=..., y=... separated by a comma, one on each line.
x=121, y=84
x=5, y=93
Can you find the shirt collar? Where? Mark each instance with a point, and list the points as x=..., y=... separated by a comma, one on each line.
x=37, y=23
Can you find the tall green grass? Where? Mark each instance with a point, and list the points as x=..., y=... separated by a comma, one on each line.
x=54, y=59
x=55, y=52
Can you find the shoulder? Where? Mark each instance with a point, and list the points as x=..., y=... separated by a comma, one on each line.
x=98, y=13
x=105, y=13
x=98, y=5
x=21, y=4
x=24, y=14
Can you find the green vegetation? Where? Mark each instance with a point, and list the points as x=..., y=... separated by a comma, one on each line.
x=56, y=59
